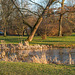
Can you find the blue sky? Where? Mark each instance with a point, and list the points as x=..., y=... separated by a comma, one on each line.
x=42, y=2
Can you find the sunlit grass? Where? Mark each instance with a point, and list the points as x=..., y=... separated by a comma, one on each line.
x=19, y=68
x=65, y=40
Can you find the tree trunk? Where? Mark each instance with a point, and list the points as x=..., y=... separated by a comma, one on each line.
x=5, y=24
x=61, y=18
x=34, y=30
x=23, y=31
x=5, y=32
x=60, y=25
x=39, y=21
x=44, y=36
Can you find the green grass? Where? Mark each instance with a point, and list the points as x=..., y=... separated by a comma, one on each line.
x=65, y=40
x=20, y=68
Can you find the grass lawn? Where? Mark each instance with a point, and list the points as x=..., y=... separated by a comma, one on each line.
x=20, y=68
x=65, y=40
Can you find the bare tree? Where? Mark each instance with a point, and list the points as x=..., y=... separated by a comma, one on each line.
x=7, y=9
x=39, y=20
x=35, y=27
x=61, y=18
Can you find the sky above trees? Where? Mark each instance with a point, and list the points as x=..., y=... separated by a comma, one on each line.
x=44, y=2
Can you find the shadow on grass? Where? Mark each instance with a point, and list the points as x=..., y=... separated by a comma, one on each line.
x=73, y=35
x=12, y=40
x=58, y=41
x=40, y=43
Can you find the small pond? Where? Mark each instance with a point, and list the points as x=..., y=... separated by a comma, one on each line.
x=61, y=55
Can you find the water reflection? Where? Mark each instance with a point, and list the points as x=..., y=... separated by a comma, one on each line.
x=65, y=55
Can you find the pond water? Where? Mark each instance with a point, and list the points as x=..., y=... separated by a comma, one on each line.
x=64, y=55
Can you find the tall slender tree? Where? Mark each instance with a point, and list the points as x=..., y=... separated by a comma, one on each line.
x=61, y=18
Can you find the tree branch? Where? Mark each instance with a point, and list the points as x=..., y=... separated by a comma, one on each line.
x=70, y=21
x=21, y=14
x=36, y=4
x=35, y=13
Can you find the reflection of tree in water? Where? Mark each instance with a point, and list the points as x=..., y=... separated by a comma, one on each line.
x=57, y=56
x=61, y=55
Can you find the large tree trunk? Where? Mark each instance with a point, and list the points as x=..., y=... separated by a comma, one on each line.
x=39, y=21
x=61, y=18
x=34, y=29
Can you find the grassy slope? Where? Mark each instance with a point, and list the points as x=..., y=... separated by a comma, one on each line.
x=19, y=68
x=65, y=40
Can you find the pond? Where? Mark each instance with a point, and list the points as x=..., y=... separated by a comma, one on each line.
x=58, y=56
